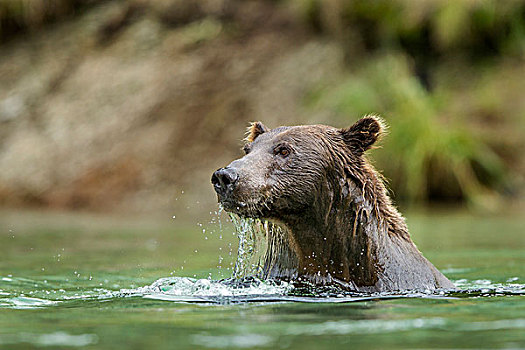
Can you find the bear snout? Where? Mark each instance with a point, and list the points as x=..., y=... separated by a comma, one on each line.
x=224, y=180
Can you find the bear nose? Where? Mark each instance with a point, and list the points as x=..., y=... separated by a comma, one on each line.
x=224, y=179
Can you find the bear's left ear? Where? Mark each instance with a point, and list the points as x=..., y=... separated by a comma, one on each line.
x=255, y=129
x=364, y=133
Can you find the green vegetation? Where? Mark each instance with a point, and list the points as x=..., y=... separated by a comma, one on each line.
x=19, y=15
x=424, y=153
x=447, y=76
x=435, y=70
x=435, y=26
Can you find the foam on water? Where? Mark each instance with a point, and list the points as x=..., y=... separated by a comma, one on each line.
x=185, y=289
x=22, y=302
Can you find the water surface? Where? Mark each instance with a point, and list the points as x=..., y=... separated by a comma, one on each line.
x=105, y=282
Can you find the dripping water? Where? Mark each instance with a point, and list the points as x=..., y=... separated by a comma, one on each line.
x=252, y=254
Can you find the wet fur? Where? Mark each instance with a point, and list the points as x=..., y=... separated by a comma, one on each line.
x=339, y=225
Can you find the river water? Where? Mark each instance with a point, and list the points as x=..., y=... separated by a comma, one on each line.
x=85, y=281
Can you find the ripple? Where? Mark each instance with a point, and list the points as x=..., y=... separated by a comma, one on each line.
x=50, y=339
x=366, y=326
x=494, y=325
x=22, y=302
x=27, y=294
x=233, y=341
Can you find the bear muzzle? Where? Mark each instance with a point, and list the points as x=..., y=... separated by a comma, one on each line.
x=224, y=180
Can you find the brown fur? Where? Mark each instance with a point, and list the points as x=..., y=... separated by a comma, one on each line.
x=340, y=226
x=255, y=129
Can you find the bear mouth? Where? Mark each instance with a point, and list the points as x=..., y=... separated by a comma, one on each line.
x=244, y=209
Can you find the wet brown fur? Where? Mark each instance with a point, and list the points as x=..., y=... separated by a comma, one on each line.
x=340, y=226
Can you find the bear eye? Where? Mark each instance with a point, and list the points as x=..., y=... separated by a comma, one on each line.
x=283, y=151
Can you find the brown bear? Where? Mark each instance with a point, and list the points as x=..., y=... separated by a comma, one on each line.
x=339, y=225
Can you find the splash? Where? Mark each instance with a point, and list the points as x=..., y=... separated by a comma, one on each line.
x=227, y=291
x=260, y=251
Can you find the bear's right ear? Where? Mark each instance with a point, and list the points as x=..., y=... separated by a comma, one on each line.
x=364, y=133
x=254, y=130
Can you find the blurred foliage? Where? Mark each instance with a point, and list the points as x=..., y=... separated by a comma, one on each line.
x=476, y=27
x=21, y=15
x=446, y=75
x=401, y=54
x=423, y=156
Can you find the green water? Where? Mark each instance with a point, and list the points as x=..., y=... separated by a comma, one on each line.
x=74, y=281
